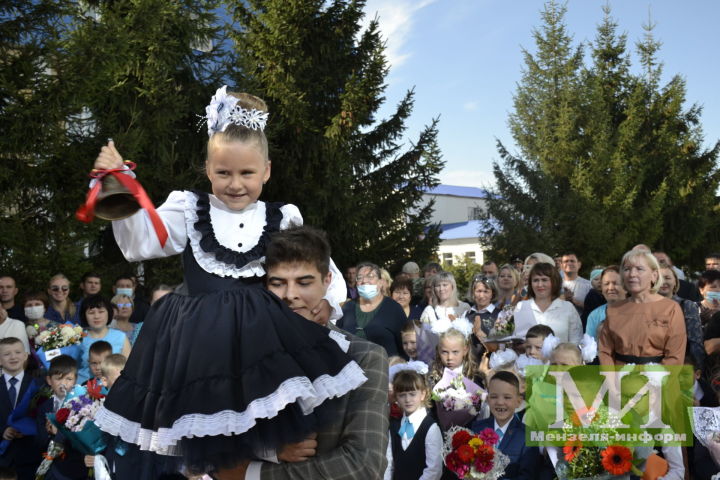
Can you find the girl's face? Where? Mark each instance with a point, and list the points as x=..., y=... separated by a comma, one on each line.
x=612, y=288
x=668, y=282
x=638, y=276
x=97, y=318
x=59, y=289
x=410, y=401
x=564, y=358
x=443, y=291
x=506, y=281
x=482, y=295
x=452, y=351
x=237, y=172
x=402, y=296
x=541, y=286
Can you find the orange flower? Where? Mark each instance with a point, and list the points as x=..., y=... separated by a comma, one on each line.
x=571, y=449
x=616, y=460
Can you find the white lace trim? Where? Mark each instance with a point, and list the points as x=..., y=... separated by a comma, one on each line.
x=340, y=339
x=706, y=422
x=229, y=422
x=207, y=260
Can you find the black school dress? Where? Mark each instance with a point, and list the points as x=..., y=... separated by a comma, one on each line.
x=227, y=371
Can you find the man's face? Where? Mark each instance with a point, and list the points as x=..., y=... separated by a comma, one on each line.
x=8, y=290
x=663, y=259
x=91, y=286
x=299, y=284
x=350, y=275
x=490, y=270
x=124, y=283
x=710, y=264
x=570, y=264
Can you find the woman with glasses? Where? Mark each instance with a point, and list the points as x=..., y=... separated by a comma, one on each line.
x=508, y=286
x=374, y=316
x=61, y=309
x=121, y=319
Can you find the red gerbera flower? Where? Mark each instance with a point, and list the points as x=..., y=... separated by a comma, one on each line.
x=571, y=449
x=93, y=388
x=616, y=460
x=465, y=453
x=485, y=453
x=461, y=437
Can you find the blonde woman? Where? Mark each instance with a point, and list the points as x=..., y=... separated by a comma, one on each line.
x=646, y=327
x=61, y=309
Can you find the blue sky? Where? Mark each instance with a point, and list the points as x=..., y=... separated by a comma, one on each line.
x=464, y=59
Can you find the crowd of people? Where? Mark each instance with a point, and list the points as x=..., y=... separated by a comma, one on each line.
x=264, y=364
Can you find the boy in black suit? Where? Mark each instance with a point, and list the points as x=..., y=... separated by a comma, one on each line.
x=61, y=377
x=21, y=453
x=503, y=398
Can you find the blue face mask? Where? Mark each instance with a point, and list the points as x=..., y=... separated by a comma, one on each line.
x=368, y=292
x=128, y=292
x=712, y=296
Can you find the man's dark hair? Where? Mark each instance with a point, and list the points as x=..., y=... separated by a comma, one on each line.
x=62, y=365
x=708, y=277
x=709, y=255
x=570, y=252
x=95, y=301
x=124, y=277
x=299, y=244
x=488, y=263
x=87, y=275
x=100, y=347
x=507, y=377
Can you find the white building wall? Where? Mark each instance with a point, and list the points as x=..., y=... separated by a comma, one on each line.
x=451, y=249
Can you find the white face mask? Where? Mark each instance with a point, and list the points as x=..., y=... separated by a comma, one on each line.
x=35, y=312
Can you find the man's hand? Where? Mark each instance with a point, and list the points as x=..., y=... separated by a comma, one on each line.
x=321, y=313
x=10, y=433
x=90, y=461
x=235, y=473
x=299, y=452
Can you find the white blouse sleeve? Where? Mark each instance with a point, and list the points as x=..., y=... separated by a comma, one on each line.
x=136, y=236
x=575, y=330
x=433, y=454
x=337, y=291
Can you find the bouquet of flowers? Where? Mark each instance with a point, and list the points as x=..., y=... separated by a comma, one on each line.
x=504, y=324
x=457, y=399
x=474, y=456
x=75, y=419
x=582, y=462
x=63, y=339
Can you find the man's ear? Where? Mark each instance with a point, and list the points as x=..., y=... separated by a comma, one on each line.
x=327, y=280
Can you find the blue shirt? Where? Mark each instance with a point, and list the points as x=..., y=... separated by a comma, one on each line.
x=595, y=319
x=55, y=316
x=114, y=337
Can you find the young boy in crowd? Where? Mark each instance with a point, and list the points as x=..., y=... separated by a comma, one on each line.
x=111, y=367
x=21, y=454
x=97, y=353
x=409, y=340
x=534, y=339
x=503, y=398
x=61, y=377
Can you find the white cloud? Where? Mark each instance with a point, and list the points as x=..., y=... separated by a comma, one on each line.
x=470, y=106
x=468, y=178
x=396, y=20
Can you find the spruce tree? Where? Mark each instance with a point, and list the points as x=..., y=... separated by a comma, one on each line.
x=619, y=161
x=346, y=169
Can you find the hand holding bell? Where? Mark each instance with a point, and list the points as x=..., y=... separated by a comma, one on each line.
x=114, y=202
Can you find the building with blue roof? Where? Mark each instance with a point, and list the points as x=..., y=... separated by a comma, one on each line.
x=458, y=210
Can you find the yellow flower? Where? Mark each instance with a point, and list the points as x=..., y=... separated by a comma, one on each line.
x=475, y=442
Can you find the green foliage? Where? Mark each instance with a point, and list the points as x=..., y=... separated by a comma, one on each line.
x=323, y=80
x=607, y=158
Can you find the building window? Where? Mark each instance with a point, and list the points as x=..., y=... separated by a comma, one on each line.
x=470, y=256
x=475, y=213
x=447, y=258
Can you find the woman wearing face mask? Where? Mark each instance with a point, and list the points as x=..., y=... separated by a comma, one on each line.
x=709, y=286
x=373, y=316
x=36, y=304
x=61, y=309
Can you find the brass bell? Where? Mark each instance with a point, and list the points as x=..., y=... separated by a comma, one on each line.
x=114, y=202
